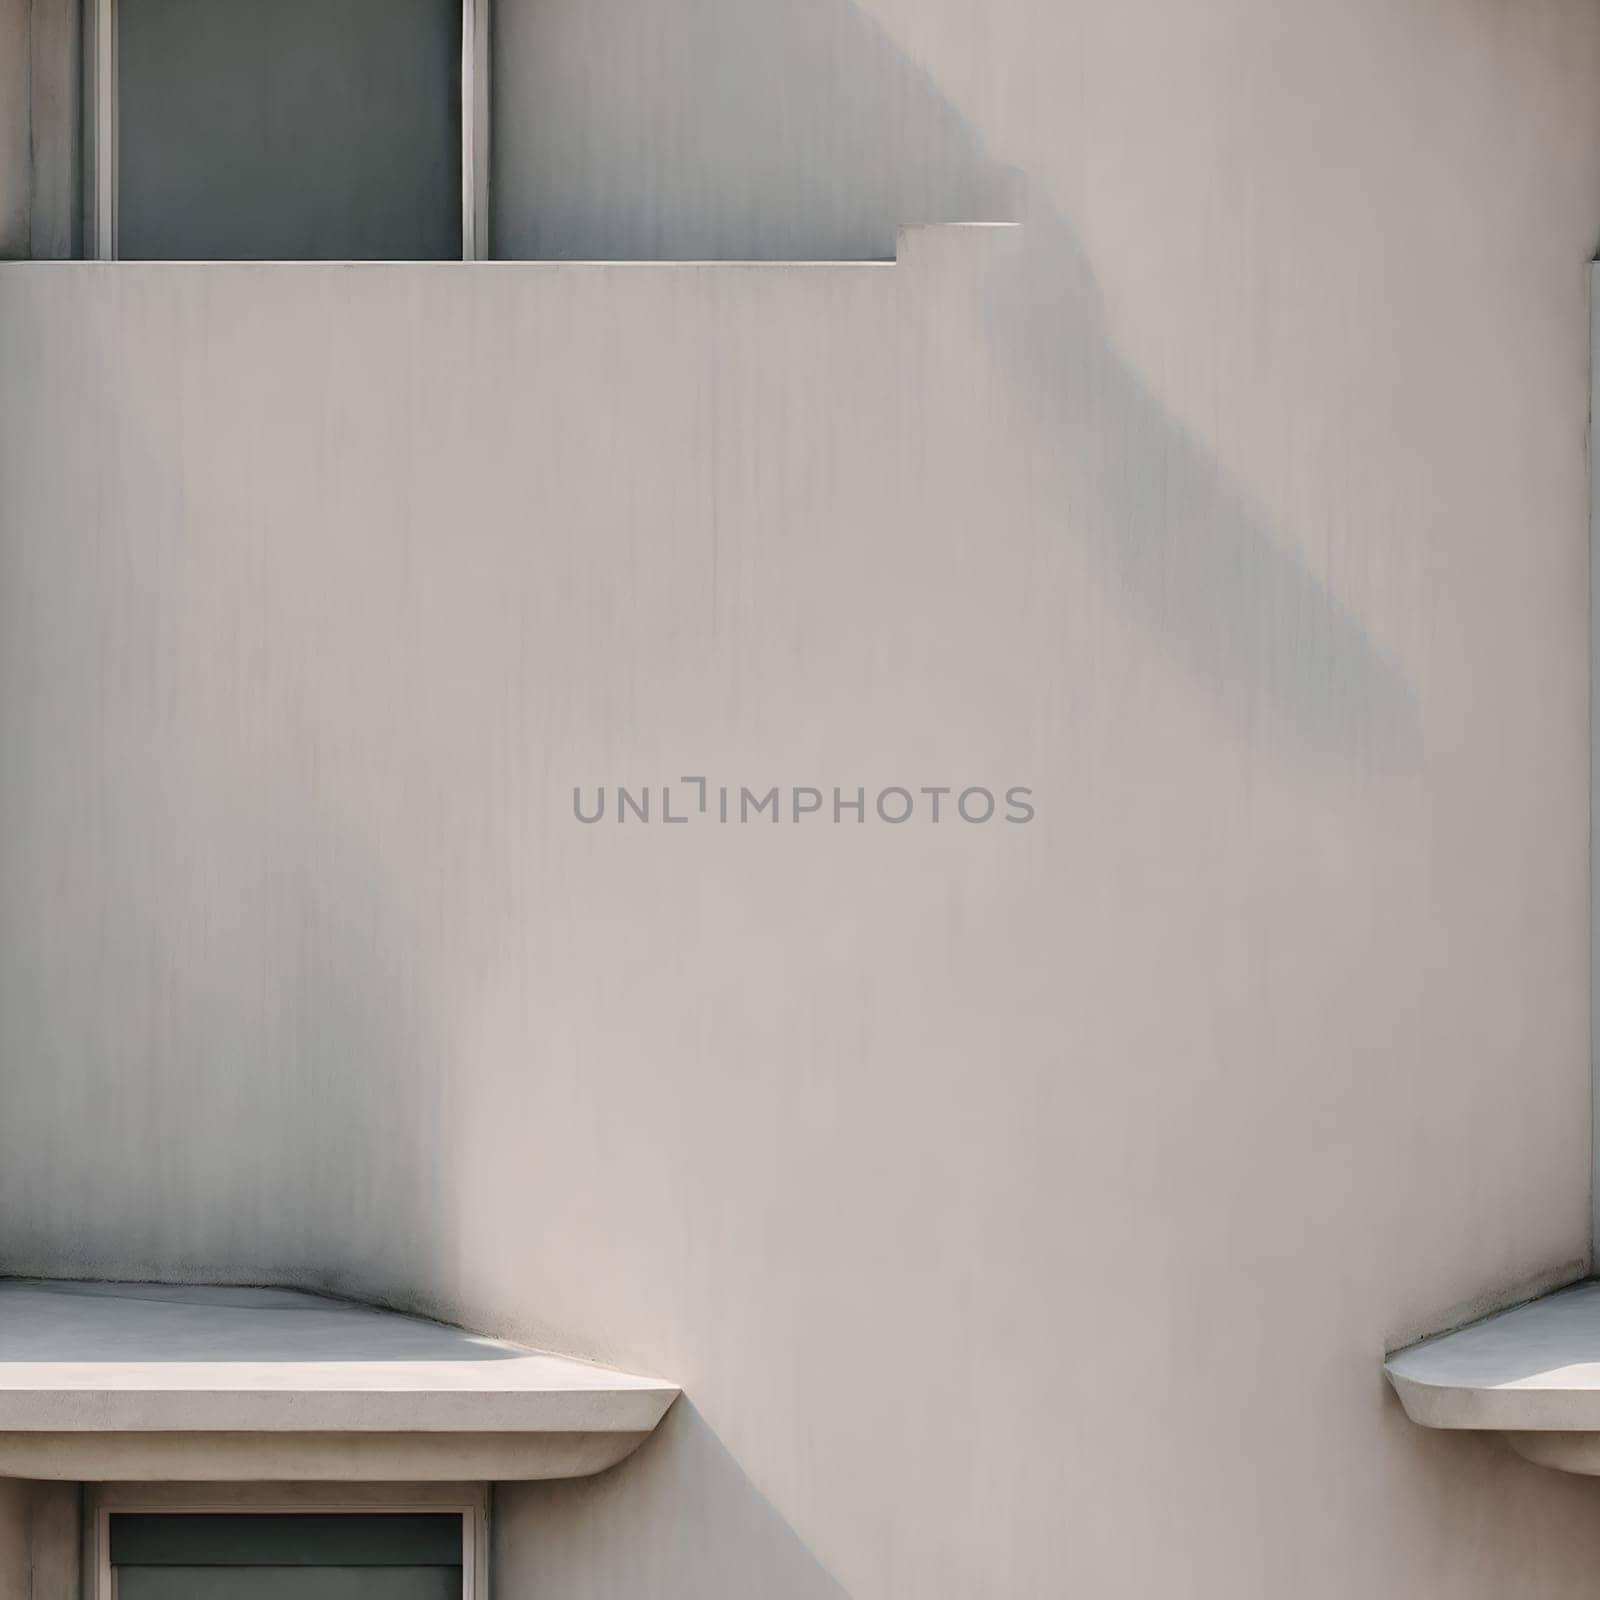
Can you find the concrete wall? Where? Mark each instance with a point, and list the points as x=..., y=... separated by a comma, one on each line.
x=14, y=168
x=39, y=1540
x=40, y=75
x=1024, y=1209
x=14, y=1577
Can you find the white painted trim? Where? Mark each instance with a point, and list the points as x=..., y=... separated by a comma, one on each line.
x=100, y=143
x=469, y=1501
x=1594, y=774
x=475, y=71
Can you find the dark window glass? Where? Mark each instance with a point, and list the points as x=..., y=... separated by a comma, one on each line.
x=289, y=129
x=288, y=1583
x=318, y=1556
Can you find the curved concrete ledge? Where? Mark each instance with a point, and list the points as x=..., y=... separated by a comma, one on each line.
x=1531, y=1374
x=151, y=1381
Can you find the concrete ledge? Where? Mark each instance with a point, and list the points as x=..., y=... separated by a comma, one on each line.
x=1531, y=1374
x=119, y=1380
x=914, y=242
x=296, y=1457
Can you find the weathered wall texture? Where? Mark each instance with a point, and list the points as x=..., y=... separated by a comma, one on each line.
x=14, y=1576
x=15, y=173
x=1025, y=1210
x=39, y=1537
x=40, y=76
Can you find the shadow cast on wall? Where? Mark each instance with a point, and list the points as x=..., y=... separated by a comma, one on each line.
x=710, y=130
x=1178, y=544
x=694, y=129
x=803, y=132
x=253, y=1096
x=707, y=1528
x=713, y=129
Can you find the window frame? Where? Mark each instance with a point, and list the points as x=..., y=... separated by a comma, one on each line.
x=100, y=142
x=468, y=1500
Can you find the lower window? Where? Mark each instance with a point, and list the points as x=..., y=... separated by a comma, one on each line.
x=264, y=1542
x=256, y=1556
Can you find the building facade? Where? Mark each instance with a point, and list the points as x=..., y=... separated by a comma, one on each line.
x=494, y=747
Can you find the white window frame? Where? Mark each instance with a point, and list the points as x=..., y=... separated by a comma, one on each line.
x=468, y=1500
x=100, y=144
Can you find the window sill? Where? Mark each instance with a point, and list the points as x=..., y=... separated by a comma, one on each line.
x=1531, y=1375
x=913, y=241
x=120, y=1381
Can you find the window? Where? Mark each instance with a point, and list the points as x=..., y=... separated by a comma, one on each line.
x=287, y=130
x=287, y=1542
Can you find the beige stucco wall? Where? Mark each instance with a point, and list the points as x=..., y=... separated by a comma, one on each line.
x=1024, y=1210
